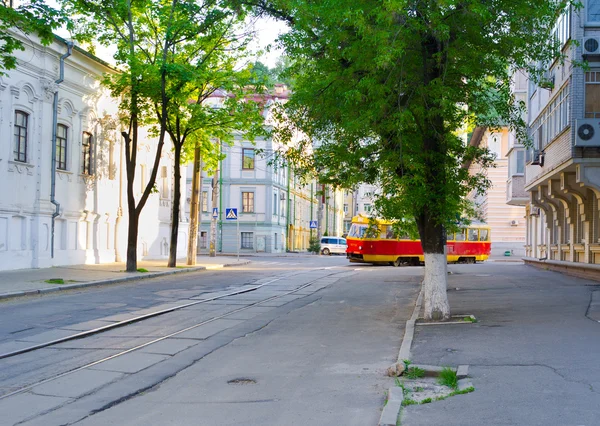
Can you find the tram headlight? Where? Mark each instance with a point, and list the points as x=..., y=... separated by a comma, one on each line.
x=360, y=247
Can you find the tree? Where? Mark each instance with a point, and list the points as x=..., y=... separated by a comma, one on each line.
x=127, y=25
x=385, y=87
x=203, y=97
x=34, y=17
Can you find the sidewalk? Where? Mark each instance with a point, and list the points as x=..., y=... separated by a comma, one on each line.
x=24, y=282
x=532, y=355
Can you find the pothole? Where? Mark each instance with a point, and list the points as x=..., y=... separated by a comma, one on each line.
x=241, y=381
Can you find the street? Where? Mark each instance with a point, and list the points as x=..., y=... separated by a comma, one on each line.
x=308, y=345
x=300, y=340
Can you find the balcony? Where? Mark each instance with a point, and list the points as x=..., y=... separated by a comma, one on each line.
x=515, y=191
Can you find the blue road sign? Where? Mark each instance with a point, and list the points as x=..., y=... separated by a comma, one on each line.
x=215, y=212
x=231, y=214
x=313, y=224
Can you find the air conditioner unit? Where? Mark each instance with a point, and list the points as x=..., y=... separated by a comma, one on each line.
x=587, y=132
x=591, y=46
x=535, y=211
x=538, y=157
x=514, y=222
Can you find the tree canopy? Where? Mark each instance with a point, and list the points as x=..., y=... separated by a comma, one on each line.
x=32, y=17
x=384, y=89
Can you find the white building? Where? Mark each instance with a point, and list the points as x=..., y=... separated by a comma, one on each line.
x=88, y=187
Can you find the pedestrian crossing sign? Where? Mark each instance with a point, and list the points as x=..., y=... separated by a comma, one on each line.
x=231, y=214
x=215, y=212
x=313, y=224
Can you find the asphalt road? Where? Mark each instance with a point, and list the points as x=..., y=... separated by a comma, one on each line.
x=308, y=347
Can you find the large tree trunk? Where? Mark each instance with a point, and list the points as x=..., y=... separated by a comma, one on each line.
x=435, y=296
x=132, y=236
x=194, y=208
x=175, y=208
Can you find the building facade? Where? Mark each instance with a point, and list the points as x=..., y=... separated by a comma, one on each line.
x=562, y=172
x=76, y=213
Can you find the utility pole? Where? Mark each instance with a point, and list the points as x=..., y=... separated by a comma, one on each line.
x=213, y=221
x=194, y=208
x=320, y=213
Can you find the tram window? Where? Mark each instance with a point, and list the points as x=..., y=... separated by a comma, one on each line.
x=357, y=231
x=472, y=234
x=483, y=235
x=389, y=232
x=460, y=235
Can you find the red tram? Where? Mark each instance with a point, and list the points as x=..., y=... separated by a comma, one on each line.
x=374, y=242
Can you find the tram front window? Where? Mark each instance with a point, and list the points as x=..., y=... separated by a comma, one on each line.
x=357, y=231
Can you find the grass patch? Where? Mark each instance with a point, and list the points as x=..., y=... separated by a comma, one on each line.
x=408, y=401
x=418, y=389
x=462, y=392
x=470, y=318
x=55, y=281
x=142, y=270
x=415, y=373
x=447, y=377
x=426, y=401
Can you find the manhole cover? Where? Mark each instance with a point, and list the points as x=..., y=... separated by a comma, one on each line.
x=242, y=381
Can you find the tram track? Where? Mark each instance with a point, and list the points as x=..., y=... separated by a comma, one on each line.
x=88, y=333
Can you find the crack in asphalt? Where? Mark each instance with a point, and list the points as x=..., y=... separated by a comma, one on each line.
x=554, y=369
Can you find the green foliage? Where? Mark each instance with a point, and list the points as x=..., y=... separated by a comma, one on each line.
x=408, y=401
x=314, y=245
x=414, y=372
x=447, y=377
x=55, y=281
x=142, y=270
x=31, y=17
x=385, y=93
x=426, y=401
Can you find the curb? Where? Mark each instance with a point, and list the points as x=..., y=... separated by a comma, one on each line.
x=11, y=295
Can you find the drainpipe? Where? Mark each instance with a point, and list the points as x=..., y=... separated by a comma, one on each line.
x=288, y=243
x=311, y=208
x=54, y=125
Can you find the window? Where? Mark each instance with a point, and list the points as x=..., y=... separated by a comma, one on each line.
x=204, y=201
x=275, y=245
x=61, y=147
x=247, y=240
x=247, y=202
x=473, y=235
x=345, y=208
x=86, y=154
x=21, y=125
x=517, y=162
x=495, y=145
x=460, y=235
x=275, y=202
x=520, y=162
x=247, y=158
x=555, y=118
x=593, y=11
x=164, y=190
x=483, y=235
x=592, y=94
x=367, y=208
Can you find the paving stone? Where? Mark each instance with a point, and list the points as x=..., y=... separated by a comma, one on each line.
x=169, y=346
x=47, y=336
x=210, y=329
x=17, y=408
x=130, y=363
x=77, y=384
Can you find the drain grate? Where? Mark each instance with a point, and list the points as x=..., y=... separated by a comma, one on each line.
x=241, y=381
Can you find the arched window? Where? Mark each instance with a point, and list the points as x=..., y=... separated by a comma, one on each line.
x=61, y=147
x=21, y=126
x=86, y=153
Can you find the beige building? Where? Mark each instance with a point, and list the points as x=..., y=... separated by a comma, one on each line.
x=507, y=221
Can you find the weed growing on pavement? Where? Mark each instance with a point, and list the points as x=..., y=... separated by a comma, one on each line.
x=142, y=270
x=426, y=401
x=415, y=373
x=462, y=392
x=408, y=401
x=55, y=281
x=406, y=363
x=418, y=389
x=470, y=318
x=447, y=377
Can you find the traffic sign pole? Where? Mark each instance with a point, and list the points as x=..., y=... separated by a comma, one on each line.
x=238, y=238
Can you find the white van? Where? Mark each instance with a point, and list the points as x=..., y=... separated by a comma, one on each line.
x=333, y=245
